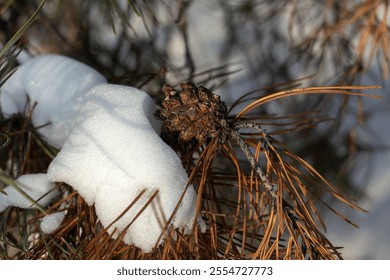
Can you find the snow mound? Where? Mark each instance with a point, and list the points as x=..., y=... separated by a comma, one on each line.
x=51, y=222
x=36, y=186
x=58, y=85
x=110, y=147
x=113, y=153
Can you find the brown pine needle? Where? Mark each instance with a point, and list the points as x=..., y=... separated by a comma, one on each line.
x=333, y=90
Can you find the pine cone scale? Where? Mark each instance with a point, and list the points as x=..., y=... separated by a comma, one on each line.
x=195, y=113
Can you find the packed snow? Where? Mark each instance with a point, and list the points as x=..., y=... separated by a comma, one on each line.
x=110, y=149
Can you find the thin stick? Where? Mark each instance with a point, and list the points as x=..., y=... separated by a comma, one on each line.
x=236, y=136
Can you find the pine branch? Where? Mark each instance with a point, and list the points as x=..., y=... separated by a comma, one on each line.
x=236, y=137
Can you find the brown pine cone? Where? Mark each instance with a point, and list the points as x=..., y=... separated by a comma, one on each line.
x=192, y=112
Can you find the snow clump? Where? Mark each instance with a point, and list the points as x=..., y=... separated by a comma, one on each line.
x=110, y=149
x=37, y=187
x=51, y=222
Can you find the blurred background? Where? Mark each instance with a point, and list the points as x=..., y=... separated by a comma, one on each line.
x=237, y=47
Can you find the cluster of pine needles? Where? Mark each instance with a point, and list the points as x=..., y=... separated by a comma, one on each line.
x=258, y=199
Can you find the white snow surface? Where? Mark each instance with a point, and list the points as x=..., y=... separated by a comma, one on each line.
x=58, y=85
x=119, y=154
x=36, y=186
x=110, y=146
x=51, y=222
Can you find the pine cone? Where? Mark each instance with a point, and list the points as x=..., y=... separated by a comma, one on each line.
x=192, y=112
